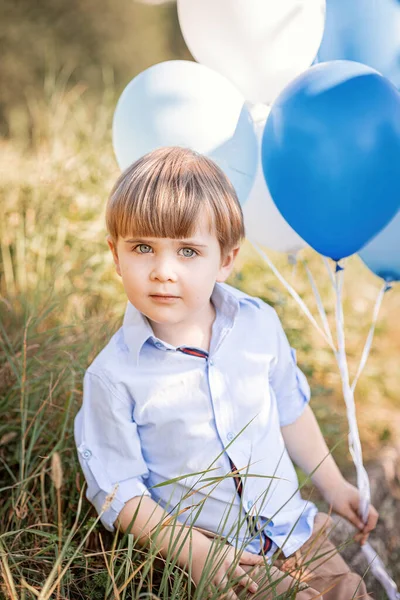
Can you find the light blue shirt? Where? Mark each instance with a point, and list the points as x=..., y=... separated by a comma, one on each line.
x=151, y=414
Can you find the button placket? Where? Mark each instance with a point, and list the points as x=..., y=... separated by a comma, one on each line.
x=216, y=388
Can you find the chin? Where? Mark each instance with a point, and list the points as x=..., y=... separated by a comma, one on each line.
x=161, y=318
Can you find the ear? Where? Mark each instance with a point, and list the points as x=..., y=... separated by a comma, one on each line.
x=227, y=262
x=114, y=252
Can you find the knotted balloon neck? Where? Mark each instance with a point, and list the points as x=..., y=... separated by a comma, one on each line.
x=339, y=267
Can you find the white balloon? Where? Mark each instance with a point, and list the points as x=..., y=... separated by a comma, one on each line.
x=260, y=45
x=183, y=103
x=263, y=222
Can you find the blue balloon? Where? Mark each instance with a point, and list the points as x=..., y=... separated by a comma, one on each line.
x=382, y=254
x=366, y=31
x=331, y=155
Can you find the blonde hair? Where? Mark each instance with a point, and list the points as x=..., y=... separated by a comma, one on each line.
x=163, y=192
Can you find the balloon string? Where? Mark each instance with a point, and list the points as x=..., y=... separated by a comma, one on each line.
x=378, y=570
x=293, y=293
x=320, y=305
x=354, y=438
x=329, y=270
x=376, y=565
x=370, y=337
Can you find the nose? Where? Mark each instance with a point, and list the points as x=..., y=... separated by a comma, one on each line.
x=163, y=269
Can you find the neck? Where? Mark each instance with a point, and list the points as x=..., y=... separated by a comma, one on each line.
x=194, y=334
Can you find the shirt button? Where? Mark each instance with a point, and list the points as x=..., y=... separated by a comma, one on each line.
x=86, y=454
x=158, y=345
x=269, y=532
x=211, y=362
x=230, y=436
x=249, y=504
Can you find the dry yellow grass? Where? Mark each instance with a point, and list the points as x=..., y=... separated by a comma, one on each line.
x=59, y=301
x=52, y=241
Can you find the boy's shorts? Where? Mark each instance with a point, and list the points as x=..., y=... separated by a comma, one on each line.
x=316, y=570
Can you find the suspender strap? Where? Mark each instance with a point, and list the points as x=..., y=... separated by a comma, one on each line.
x=193, y=351
x=252, y=521
x=238, y=480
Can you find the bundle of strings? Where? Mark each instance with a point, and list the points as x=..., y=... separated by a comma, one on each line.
x=376, y=565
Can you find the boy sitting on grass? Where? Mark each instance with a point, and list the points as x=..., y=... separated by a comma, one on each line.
x=200, y=383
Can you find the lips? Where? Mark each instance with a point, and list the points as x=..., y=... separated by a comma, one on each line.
x=163, y=296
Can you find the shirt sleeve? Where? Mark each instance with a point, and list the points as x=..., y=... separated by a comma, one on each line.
x=109, y=448
x=287, y=380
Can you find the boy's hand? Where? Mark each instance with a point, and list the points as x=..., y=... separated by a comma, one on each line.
x=345, y=500
x=202, y=562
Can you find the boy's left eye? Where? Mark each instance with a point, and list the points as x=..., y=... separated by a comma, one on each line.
x=188, y=252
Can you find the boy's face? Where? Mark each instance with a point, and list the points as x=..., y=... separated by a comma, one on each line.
x=171, y=281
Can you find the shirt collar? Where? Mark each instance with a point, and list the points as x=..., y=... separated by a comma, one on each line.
x=137, y=330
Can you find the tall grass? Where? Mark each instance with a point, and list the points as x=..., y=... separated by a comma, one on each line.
x=59, y=303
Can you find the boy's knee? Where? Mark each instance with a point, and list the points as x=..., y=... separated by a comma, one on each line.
x=356, y=587
x=350, y=586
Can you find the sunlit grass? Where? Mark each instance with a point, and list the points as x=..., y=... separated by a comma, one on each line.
x=60, y=301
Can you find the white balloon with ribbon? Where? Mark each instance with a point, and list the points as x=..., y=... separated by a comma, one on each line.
x=183, y=103
x=260, y=45
x=263, y=221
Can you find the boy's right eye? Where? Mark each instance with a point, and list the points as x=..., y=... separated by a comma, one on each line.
x=142, y=248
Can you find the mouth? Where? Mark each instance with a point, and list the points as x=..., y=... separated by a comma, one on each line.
x=164, y=297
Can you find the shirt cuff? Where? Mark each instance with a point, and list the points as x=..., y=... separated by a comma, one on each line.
x=126, y=490
x=100, y=487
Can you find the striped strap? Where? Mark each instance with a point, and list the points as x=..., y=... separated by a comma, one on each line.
x=236, y=477
x=193, y=352
x=251, y=520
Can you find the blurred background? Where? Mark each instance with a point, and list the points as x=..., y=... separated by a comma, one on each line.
x=63, y=66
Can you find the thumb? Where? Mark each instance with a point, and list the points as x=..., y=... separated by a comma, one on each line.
x=248, y=558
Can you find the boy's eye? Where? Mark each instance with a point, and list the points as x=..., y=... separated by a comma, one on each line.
x=143, y=248
x=188, y=252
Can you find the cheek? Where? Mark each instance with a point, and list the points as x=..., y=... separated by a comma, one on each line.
x=201, y=281
x=132, y=272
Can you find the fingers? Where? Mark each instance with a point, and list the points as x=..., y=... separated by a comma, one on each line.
x=361, y=538
x=248, y=558
x=230, y=595
x=352, y=516
x=369, y=526
x=237, y=577
x=245, y=581
x=373, y=516
x=231, y=574
x=220, y=583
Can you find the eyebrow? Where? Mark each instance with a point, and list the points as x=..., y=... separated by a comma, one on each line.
x=152, y=240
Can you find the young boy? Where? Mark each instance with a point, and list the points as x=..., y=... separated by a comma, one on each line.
x=200, y=386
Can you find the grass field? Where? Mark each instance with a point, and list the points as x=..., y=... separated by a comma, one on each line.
x=60, y=301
